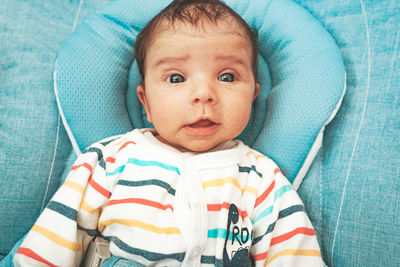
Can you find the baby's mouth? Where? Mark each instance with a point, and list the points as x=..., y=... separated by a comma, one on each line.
x=202, y=124
x=202, y=127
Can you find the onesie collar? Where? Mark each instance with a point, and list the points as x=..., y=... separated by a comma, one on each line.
x=227, y=153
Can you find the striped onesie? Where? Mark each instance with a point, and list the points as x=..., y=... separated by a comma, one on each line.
x=158, y=206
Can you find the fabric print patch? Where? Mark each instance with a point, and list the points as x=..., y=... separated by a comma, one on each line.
x=237, y=240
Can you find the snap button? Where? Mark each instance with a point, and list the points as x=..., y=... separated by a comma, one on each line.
x=195, y=253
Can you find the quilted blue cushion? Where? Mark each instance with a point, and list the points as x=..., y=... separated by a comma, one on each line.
x=301, y=74
x=33, y=143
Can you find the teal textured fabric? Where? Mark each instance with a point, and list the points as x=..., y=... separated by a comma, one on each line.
x=97, y=86
x=33, y=142
x=352, y=191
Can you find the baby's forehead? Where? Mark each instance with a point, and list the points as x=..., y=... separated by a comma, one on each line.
x=217, y=37
x=202, y=27
x=163, y=35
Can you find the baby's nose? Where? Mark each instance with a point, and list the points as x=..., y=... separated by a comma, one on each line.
x=204, y=94
x=209, y=100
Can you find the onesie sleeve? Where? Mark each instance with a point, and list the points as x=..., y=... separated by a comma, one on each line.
x=64, y=229
x=282, y=232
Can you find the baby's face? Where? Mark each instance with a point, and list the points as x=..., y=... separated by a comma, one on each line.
x=199, y=85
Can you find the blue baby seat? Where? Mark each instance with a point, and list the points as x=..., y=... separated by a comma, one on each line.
x=301, y=74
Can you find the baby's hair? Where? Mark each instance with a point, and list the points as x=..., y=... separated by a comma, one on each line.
x=192, y=12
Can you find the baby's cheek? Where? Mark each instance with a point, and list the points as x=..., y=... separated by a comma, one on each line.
x=241, y=108
x=243, y=116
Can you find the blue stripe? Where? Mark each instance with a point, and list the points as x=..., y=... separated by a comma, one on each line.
x=282, y=214
x=149, y=255
x=211, y=260
x=218, y=233
x=263, y=214
x=155, y=182
x=221, y=233
x=62, y=209
x=271, y=228
x=144, y=163
x=99, y=155
x=153, y=163
x=105, y=143
x=69, y=213
x=282, y=190
x=269, y=209
x=90, y=232
x=249, y=169
x=289, y=211
x=116, y=171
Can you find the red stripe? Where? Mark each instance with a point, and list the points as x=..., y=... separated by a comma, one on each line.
x=95, y=185
x=126, y=144
x=140, y=201
x=110, y=159
x=99, y=188
x=86, y=165
x=29, y=253
x=264, y=195
x=225, y=205
x=261, y=256
x=284, y=237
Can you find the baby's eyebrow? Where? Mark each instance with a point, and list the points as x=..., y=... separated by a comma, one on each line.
x=234, y=60
x=169, y=60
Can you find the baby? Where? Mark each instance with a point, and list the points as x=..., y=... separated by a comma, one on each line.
x=184, y=193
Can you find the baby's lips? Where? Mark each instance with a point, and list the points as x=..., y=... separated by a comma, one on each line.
x=202, y=127
x=202, y=123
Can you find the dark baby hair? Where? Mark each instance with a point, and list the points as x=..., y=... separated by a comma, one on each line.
x=192, y=12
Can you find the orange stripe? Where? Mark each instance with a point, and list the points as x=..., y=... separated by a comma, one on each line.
x=225, y=205
x=140, y=224
x=99, y=188
x=276, y=170
x=86, y=207
x=264, y=195
x=110, y=159
x=257, y=156
x=57, y=238
x=126, y=144
x=295, y=252
x=229, y=180
x=284, y=237
x=140, y=201
x=29, y=253
x=74, y=186
x=86, y=165
x=95, y=185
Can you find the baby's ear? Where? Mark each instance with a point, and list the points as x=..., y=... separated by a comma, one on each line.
x=142, y=98
x=256, y=91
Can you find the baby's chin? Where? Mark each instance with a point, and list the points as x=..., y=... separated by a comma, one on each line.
x=196, y=146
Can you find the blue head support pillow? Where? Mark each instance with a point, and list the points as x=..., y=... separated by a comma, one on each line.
x=300, y=71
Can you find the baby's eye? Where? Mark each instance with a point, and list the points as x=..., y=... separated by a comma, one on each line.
x=226, y=77
x=176, y=78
